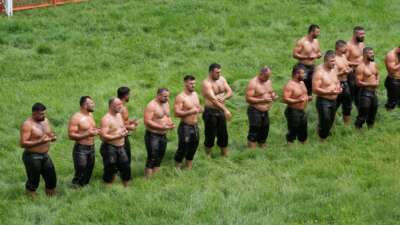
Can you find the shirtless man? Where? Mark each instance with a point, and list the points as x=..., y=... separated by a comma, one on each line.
x=187, y=107
x=157, y=121
x=327, y=87
x=392, y=82
x=296, y=97
x=130, y=124
x=259, y=95
x=307, y=50
x=113, y=133
x=35, y=138
x=82, y=129
x=355, y=56
x=216, y=90
x=367, y=78
x=342, y=64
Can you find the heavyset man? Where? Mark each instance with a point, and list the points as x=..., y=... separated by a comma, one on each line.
x=355, y=56
x=259, y=95
x=187, y=108
x=307, y=51
x=327, y=87
x=342, y=64
x=392, y=82
x=157, y=121
x=35, y=138
x=367, y=79
x=296, y=97
x=216, y=90
x=82, y=129
x=113, y=133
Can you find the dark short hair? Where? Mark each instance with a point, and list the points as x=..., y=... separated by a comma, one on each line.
x=161, y=90
x=339, y=44
x=189, y=77
x=38, y=107
x=123, y=91
x=214, y=66
x=297, y=68
x=84, y=99
x=357, y=29
x=366, y=50
x=329, y=54
x=312, y=27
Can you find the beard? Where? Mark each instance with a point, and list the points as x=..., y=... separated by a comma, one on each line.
x=41, y=119
x=315, y=36
x=371, y=59
x=90, y=109
x=360, y=39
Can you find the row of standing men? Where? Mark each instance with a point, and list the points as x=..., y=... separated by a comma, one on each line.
x=348, y=74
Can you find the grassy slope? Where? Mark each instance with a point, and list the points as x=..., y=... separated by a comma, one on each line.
x=55, y=55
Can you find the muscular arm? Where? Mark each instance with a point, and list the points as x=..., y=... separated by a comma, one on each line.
x=25, y=134
x=377, y=75
x=178, y=108
x=209, y=95
x=390, y=62
x=125, y=115
x=228, y=90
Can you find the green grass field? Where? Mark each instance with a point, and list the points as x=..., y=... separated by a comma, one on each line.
x=55, y=55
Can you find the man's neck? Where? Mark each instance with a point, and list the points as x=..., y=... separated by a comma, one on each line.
x=112, y=113
x=84, y=111
x=310, y=37
x=367, y=62
x=327, y=67
x=296, y=80
x=187, y=92
x=339, y=54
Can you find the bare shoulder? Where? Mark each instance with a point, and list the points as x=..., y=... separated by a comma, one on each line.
x=318, y=70
x=300, y=41
x=46, y=122
x=252, y=81
x=205, y=82
x=360, y=67
x=76, y=116
x=105, y=119
x=27, y=124
x=179, y=97
x=150, y=105
x=349, y=43
x=288, y=85
x=223, y=80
